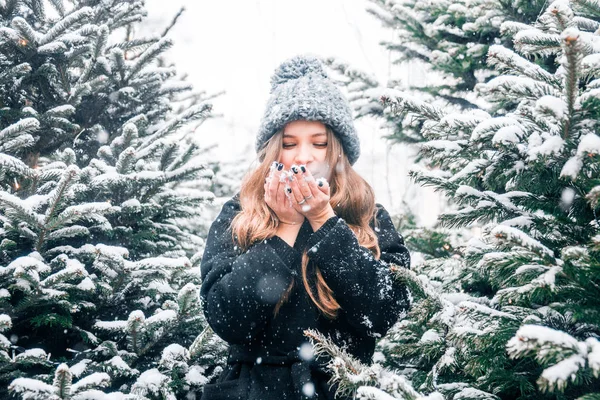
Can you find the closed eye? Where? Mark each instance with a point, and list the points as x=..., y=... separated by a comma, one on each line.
x=290, y=145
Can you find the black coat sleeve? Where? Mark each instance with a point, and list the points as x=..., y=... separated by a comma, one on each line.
x=240, y=289
x=362, y=285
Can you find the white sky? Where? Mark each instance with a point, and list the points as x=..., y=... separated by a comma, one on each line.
x=236, y=45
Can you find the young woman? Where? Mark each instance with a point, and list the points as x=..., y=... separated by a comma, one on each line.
x=302, y=245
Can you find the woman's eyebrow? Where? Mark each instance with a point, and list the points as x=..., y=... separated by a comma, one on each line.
x=286, y=135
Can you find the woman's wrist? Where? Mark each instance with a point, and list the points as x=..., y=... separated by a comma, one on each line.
x=317, y=221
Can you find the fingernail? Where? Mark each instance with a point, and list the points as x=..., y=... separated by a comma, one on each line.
x=289, y=190
x=321, y=183
x=274, y=165
x=295, y=169
x=303, y=168
x=280, y=167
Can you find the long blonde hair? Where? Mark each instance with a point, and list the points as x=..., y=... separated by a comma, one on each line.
x=352, y=199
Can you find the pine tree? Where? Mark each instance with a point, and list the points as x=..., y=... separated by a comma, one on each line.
x=449, y=39
x=523, y=319
x=99, y=180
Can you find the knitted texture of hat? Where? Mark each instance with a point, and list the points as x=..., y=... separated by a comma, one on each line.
x=301, y=90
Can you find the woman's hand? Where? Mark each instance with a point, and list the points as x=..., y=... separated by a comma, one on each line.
x=311, y=196
x=277, y=198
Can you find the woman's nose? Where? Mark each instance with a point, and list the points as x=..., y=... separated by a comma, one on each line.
x=304, y=155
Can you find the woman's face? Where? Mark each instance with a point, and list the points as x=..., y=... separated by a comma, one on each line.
x=305, y=142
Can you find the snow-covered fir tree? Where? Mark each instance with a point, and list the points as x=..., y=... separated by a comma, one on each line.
x=525, y=320
x=99, y=180
x=449, y=39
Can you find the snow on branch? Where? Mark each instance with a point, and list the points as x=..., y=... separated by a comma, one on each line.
x=404, y=102
x=506, y=60
x=504, y=234
x=66, y=23
x=557, y=17
x=352, y=375
x=536, y=42
x=511, y=28
x=33, y=389
x=588, y=144
x=564, y=357
x=23, y=126
x=148, y=56
x=26, y=31
x=200, y=111
x=18, y=209
x=516, y=87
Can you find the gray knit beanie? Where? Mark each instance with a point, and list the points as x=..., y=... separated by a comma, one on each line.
x=301, y=90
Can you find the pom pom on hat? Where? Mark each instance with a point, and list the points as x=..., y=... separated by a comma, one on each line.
x=296, y=68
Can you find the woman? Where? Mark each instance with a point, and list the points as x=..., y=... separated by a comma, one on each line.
x=302, y=245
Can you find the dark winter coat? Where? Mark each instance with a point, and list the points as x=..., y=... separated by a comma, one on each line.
x=240, y=290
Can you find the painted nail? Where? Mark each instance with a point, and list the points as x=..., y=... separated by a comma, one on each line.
x=320, y=183
x=295, y=169
x=289, y=190
x=280, y=167
x=303, y=168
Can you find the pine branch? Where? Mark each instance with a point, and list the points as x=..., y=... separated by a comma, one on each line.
x=15, y=72
x=557, y=17
x=507, y=61
x=538, y=43
x=101, y=41
x=66, y=23
x=407, y=52
x=352, y=73
x=135, y=325
x=589, y=7
x=506, y=87
x=586, y=24
x=57, y=197
x=427, y=179
x=186, y=297
x=572, y=47
x=511, y=28
x=173, y=22
x=59, y=7
x=568, y=356
x=62, y=381
x=354, y=377
x=38, y=9
x=17, y=210
x=147, y=56
x=26, y=31
x=197, y=112
x=74, y=213
x=403, y=102
x=126, y=161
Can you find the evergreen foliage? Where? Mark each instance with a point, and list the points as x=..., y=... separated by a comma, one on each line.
x=99, y=180
x=449, y=39
x=516, y=314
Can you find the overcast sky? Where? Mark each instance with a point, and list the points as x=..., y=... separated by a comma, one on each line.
x=236, y=45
